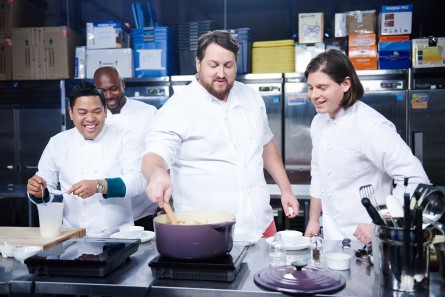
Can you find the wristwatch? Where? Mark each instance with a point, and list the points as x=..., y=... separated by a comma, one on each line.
x=100, y=187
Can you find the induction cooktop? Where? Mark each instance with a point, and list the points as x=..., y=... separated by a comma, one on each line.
x=223, y=268
x=83, y=257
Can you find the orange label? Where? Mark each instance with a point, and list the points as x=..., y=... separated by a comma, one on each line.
x=419, y=101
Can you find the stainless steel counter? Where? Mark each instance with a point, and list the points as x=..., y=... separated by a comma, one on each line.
x=135, y=279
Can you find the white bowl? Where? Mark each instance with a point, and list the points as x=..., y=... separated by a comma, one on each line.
x=24, y=252
x=131, y=232
x=338, y=261
x=291, y=237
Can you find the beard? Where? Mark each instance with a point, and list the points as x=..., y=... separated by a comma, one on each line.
x=219, y=93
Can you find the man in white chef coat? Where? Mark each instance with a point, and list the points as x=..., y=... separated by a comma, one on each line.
x=96, y=165
x=130, y=115
x=215, y=139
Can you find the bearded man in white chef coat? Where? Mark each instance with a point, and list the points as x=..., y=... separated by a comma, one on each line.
x=97, y=166
x=215, y=139
x=133, y=116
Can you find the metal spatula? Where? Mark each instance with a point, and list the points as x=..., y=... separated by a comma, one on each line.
x=367, y=191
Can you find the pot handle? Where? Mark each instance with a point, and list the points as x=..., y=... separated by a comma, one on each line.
x=223, y=225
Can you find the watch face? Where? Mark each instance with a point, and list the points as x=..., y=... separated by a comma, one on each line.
x=100, y=187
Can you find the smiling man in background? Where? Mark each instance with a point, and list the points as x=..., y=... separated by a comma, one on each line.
x=133, y=116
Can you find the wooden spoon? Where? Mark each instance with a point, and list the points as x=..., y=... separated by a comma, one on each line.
x=170, y=214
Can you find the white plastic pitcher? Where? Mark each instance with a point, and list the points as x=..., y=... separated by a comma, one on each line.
x=50, y=219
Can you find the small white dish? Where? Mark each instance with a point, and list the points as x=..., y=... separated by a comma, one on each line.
x=338, y=261
x=303, y=244
x=291, y=237
x=146, y=236
x=131, y=232
x=24, y=252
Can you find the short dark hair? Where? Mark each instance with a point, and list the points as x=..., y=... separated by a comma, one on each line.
x=85, y=88
x=337, y=66
x=219, y=37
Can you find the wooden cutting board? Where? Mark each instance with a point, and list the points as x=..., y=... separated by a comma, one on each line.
x=25, y=236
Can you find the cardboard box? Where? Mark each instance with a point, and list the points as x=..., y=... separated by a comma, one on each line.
x=361, y=39
x=395, y=55
x=109, y=34
x=57, y=52
x=340, y=25
x=426, y=55
x=43, y=52
x=121, y=58
x=393, y=38
x=24, y=54
x=363, y=57
x=360, y=22
x=18, y=13
x=5, y=59
x=396, y=20
x=310, y=27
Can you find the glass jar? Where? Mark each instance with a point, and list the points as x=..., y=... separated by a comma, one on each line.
x=277, y=251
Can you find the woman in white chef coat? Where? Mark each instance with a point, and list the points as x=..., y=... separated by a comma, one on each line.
x=97, y=166
x=353, y=145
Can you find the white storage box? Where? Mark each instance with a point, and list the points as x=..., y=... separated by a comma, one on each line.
x=108, y=34
x=121, y=58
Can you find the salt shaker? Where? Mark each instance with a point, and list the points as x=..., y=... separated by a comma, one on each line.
x=316, y=244
x=277, y=251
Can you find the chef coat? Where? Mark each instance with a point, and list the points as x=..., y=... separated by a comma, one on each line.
x=68, y=158
x=136, y=117
x=214, y=151
x=358, y=147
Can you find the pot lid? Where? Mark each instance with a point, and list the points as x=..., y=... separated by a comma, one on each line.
x=307, y=281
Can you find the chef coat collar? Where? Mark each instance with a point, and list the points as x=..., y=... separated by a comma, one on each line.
x=110, y=114
x=80, y=139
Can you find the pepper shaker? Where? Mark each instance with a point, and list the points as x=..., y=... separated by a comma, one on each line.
x=316, y=244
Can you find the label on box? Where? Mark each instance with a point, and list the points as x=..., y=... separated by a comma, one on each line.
x=150, y=59
x=396, y=20
x=310, y=27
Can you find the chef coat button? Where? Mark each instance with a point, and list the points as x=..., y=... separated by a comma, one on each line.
x=322, y=190
x=329, y=147
x=328, y=172
x=262, y=185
